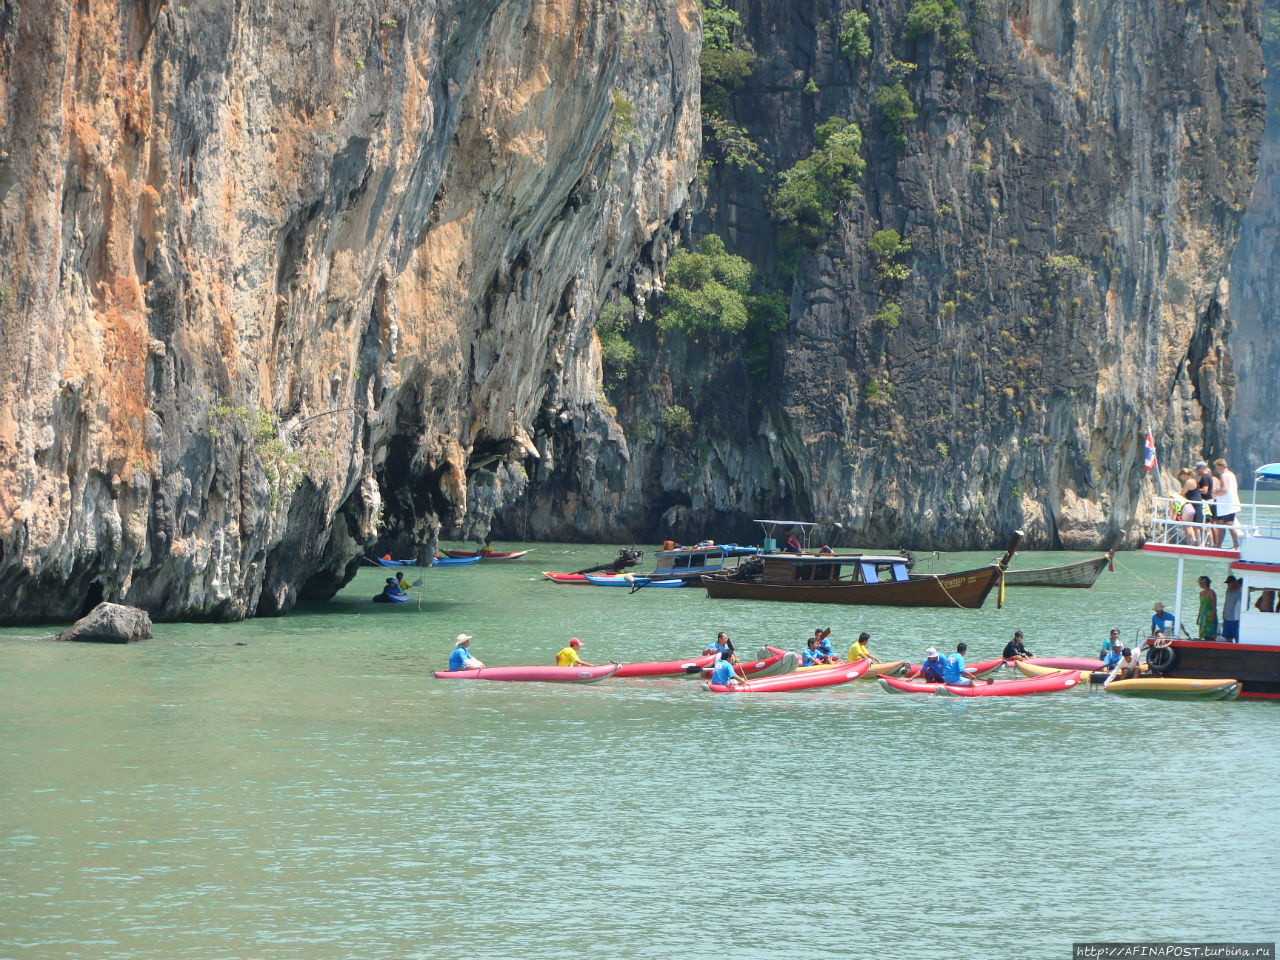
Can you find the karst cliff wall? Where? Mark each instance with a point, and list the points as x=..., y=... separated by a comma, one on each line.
x=1071, y=197
x=276, y=273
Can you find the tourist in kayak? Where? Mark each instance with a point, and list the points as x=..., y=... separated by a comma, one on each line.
x=1162, y=624
x=1014, y=650
x=1207, y=618
x=1127, y=667
x=722, y=643
x=1111, y=643
x=568, y=657
x=726, y=669
x=859, y=651
x=932, y=668
x=388, y=592
x=402, y=583
x=461, y=658
x=954, y=672
x=1111, y=657
x=813, y=655
x=824, y=644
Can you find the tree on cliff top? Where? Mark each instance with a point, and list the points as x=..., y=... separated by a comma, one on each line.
x=813, y=189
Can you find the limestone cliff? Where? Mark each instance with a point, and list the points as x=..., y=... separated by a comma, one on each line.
x=1069, y=189
x=275, y=271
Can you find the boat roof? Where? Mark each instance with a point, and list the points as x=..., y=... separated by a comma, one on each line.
x=728, y=549
x=836, y=558
x=790, y=523
x=1269, y=471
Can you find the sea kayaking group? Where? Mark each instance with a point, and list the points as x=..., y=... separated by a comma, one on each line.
x=1118, y=661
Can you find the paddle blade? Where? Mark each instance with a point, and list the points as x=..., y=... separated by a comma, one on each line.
x=416, y=583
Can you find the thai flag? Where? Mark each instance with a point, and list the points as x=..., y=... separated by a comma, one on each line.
x=1149, y=453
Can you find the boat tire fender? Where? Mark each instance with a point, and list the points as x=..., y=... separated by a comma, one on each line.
x=1161, y=658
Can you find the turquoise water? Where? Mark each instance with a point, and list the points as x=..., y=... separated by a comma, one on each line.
x=314, y=793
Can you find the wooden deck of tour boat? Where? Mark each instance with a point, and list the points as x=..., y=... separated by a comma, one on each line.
x=870, y=579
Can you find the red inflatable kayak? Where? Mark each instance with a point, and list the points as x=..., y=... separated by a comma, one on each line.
x=979, y=669
x=666, y=668
x=1013, y=688
x=1067, y=663
x=576, y=579
x=841, y=673
x=534, y=673
x=768, y=666
x=903, y=685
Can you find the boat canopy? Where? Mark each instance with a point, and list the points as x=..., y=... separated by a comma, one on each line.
x=1270, y=471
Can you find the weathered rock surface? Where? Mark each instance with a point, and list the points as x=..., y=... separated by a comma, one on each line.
x=110, y=623
x=274, y=270
x=1071, y=204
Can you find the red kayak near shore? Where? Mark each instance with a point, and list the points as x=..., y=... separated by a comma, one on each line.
x=575, y=579
x=841, y=673
x=666, y=668
x=533, y=673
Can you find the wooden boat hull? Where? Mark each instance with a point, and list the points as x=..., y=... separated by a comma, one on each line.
x=533, y=673
x=967, y=589
x=1176, y=688
x=1062, y=680
x=1080, y=575
x=1256, y=666
x=467, y=554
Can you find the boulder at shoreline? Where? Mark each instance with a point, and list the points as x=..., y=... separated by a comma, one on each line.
x=110, y=623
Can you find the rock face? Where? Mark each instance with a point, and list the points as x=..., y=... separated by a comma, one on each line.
x=110, y=623
x=274, y=272
x=1255, y=294
x=1071, y=201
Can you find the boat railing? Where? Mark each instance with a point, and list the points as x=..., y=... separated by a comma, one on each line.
x=1168, y=527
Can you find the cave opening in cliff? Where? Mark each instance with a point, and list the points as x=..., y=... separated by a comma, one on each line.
x=92, y=597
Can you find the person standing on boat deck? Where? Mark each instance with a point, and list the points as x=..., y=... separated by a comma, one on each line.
x=1127, y=667
x=726, y=669
x=1207, y=618
x=1014, y=650
x=859, y=651
x=1162, y=624
x=1111, y=643
x=1266, y=602
x=793, y=543
x=931, y=669
x=461, y=658
x=1184, y=510
x=1226, y=503
x=568, y=657
x=1204, y=484
x=1231, y=610
x=722, y=643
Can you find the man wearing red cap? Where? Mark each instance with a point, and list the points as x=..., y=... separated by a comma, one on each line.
x=568, y=657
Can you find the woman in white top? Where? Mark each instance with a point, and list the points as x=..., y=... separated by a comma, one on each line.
x=1226, y=500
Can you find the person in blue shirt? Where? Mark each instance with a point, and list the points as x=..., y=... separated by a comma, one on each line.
x=824, y=644
x=721, y=644
x=1162, y=623
x=1111, y=657
x=461, y=658
x=726, y=671
x=813, y=655
x=1111, y=643
x=931, y=669
x=954, y=672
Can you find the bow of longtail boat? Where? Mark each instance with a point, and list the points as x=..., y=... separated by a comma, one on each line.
x=861, y=579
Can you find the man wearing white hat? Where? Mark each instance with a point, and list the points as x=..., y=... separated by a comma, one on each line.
x=931, y=669
x=461, y=658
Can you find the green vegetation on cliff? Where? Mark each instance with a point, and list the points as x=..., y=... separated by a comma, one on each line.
x=725, y=67
x=941, y=18
x=810, y=192
x=855, y=41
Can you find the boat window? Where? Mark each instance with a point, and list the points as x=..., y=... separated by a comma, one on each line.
x=869, y=574
x=682, y=563
x=1263, y=599
x=699, y=561
x=900, y=572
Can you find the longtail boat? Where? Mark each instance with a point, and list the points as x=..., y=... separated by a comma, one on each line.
x=858, y=579
x=1080, y=574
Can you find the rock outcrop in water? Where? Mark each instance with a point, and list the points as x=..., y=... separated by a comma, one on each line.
x=1070, y=196
x=265, y=261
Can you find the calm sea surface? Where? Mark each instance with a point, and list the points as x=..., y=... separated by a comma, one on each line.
x=302, y=788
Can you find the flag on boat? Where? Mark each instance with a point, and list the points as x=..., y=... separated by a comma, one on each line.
x=1149, y=453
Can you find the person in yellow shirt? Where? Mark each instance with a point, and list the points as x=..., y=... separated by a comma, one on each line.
x=859, y=649
x=568, y=657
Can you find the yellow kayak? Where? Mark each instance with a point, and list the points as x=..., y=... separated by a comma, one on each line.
x=1176, y=688
x=1034, y=669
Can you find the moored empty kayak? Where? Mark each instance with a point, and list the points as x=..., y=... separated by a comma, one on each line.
x=1175, y=688
x=666, y=668
x=534, y=673
x=1013, y=688
x=1066, y=663
x=577, y=579
x=451, y=562
x=808, y=680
